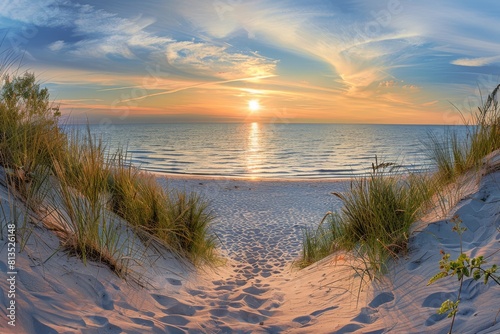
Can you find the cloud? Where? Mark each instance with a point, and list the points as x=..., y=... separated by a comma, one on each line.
x=92, y=33
x=430, y=103
x=56, y=46
x=42, y=13
x=217, y=61
x=364, y=42
x=319, y=31
x=464, y=29
x=476, y=62
x=411, y=87
x=388, y=83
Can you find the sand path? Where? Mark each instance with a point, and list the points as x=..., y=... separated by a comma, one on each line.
x=260, y=227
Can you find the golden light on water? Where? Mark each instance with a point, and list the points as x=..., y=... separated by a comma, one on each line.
x=253, y=154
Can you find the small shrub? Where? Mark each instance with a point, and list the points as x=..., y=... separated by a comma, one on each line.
x=29, y=135
x=463, y=266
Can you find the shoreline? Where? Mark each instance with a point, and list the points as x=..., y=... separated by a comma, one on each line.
x=203, y=177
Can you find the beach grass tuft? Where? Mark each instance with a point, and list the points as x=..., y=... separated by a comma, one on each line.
x=378, y=210
x=89, y=192
x=375, y=219
x=192, y=218
x=454, y=156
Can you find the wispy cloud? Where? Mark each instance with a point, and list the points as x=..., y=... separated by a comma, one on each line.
x=195, y=85
x=217, y=61
x=311, y=56
x=468, y=29
x=56, y=46
x=92, y=33
x=482, y=61
x=359, y=59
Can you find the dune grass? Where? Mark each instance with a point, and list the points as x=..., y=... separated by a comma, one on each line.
x=29, y=135
x=180, y=219
x=86, y=188
x=453, y=156
x=192, y=217
x=378, y=210
x=375, y=219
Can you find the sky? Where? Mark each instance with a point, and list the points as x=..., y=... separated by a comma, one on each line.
x=390, y=61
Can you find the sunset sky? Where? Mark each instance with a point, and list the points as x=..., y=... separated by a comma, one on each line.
x=275, y=61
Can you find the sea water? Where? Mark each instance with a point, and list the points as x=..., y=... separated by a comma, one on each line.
x=258, y=150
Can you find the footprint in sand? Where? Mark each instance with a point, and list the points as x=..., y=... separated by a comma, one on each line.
x=175, y=320
x=173, y=330
x=174, y=281
x=303, y=320
x=434, y=319
x=320, y=312
x=42, y=328
x=253, y=302
x=95, y=288
x=434, y=300
x=252, y=290
x=250, y=317
x=382, y=298
x=366, y=316
x=143, y=322
x=350, y=328
x=102, y=323
x=306, y=319
x=415, y=264
x=219, y=312
x=174, y=307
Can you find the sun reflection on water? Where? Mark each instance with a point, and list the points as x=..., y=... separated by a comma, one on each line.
x=253, y=154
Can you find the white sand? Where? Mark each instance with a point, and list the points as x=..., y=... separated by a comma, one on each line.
x=260, y=227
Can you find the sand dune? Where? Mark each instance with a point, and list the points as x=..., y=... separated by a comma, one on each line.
x=260, y=225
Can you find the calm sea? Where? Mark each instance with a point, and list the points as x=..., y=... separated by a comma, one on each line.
x=271, y=150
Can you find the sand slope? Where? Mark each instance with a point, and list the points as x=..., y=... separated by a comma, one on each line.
x=260, y=227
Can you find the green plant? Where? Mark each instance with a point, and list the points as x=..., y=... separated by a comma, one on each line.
x=453, y=156
x=28, y=137
x=192, y=219
x=85, y=226
x=320, y=242
x=85, y=164
x=464, y=266
x=29, y=133
x=83, y=187
x=139, y=199
x=375, y=218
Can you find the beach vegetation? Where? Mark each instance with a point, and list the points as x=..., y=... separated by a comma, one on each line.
x=91, y=197
x=374, y=221
x=378, y=210
x=453, y=155
x=463, y=267
x=29, y=135
x=191, y=218
x=179, y=218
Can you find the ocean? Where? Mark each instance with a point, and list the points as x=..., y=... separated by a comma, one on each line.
x=256, y=150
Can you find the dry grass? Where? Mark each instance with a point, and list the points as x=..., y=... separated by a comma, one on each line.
x=86, y=189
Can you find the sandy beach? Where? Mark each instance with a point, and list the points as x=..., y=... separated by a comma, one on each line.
x=325, y=167
x=257, y=290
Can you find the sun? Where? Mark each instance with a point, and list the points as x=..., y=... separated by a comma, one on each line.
x=253, y=105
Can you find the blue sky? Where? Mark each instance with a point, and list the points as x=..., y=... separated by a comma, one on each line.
x=390, y=61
